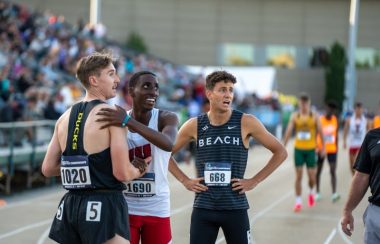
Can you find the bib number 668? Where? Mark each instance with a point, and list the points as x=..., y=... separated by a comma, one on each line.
x=217, y=177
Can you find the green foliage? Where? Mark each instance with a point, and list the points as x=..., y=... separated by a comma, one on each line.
x=136, y=42
x=376, y=59
x=335, y=75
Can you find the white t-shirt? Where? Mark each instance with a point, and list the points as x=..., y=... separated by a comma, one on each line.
x=150, y=194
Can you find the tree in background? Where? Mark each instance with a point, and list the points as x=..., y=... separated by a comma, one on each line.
x=335, y=75
x=136, y=42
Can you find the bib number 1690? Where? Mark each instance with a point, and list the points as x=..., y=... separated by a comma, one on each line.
x=139, y=187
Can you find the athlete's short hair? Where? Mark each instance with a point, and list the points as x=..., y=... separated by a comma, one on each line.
x=218, y=76
x=358, y=105
x=304, y=97
x=92, y=65
x=332, y=104
x=135, y=77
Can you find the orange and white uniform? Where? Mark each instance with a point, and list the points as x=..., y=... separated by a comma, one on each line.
x=329, y=130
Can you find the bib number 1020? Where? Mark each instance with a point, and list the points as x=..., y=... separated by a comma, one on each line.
x=75, y=177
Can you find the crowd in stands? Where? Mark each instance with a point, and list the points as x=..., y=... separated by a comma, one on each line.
x=38, y=56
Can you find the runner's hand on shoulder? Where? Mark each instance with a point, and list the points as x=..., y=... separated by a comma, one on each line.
x=111, y=117
x=141, y=164
x=195, y=185
x=243, y=185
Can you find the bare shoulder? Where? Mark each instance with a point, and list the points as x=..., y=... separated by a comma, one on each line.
x=63, y=119
x=189, y=129
x=250, y=124
x=103, y=105
x=248, y=119
x=168, y=115
x=191, y=123
x=93, y=113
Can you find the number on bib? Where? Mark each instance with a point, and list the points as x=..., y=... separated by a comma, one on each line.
x=303, y=135
x=142, y=187
x=217, y=174
x=75, y=172
x=329, y=139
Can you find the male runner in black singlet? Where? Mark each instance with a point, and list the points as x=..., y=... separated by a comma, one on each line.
x=93, y=163
x=222, y=142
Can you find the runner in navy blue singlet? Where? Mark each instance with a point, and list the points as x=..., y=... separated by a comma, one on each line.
x=222, y=141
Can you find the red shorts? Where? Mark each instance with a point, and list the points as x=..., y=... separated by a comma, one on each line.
x=150, y=229
x=354, y=150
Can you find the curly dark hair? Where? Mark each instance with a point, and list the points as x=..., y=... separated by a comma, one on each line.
x=218, y=76
x=135, y=77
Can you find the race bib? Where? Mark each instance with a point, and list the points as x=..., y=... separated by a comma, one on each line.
x=303, y=135
x=329, y=139
x=144, y=186
x=75, y=172
x=217, y=173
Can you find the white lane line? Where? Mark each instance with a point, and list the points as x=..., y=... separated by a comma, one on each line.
x=270, y=207
x=181, y=209
x=44, y=236
x=330, y=237
x=42, y=223
x=32, y=200
x=262, y=212
x=25, y=228
x=341, y=233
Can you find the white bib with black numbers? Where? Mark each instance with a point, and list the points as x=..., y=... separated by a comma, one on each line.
x=303, y=135
x=75, y=172
x=144, y=186
x=217, y=173
x=329, y=139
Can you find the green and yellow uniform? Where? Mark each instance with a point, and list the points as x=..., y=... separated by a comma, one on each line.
x=305, y=141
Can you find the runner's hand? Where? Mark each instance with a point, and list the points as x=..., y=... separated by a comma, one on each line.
x=347, y=223
x=141, y=164
x=243, y=185
x=111, y=117
x=195, y=185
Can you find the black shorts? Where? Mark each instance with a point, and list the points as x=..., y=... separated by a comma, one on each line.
x=205, y=226
x=90, y=217
x=331, y=158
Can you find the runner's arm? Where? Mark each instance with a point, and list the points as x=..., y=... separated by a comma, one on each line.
x=345, y=132
x=262, y=136
x=164, y=139
x=51, y=165
x=186, y=134
x=320, y=132
x=358, y=188
x=122, y=168
x=289, y=129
